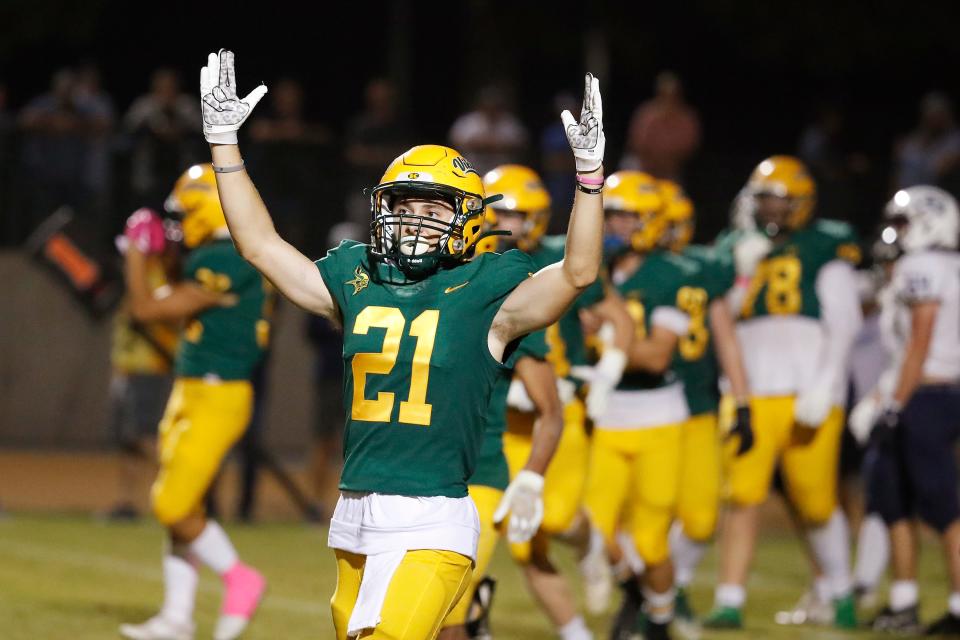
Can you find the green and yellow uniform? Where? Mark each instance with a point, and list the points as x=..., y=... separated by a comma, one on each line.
x=418, y=371
x=783, y=328
x=635, y=457
x=212, y=398
x=567, y=474
x=491, y=477
x=695, y=364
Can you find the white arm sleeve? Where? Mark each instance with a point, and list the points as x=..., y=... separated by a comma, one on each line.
x=672, y=319
x=840, y=317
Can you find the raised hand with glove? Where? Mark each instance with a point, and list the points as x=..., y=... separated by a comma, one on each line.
x=223, y=112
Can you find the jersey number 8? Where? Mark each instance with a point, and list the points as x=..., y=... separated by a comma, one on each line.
x=781, y=277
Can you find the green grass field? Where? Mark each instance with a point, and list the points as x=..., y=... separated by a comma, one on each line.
x=64, y=577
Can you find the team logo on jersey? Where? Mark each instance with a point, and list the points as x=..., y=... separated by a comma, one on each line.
x=360, y=280
x=454, y=288
x=413, y=176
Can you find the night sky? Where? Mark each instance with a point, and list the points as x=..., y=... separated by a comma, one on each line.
x=757, y=72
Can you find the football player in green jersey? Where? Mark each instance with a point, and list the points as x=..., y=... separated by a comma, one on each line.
x=225, y=306
x=524, y=213
x=426, y=332
x=529, y=371
x=711, y=344
x=635, y=453
x=798, y=307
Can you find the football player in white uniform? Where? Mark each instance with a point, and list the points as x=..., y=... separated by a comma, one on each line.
x=911, y=417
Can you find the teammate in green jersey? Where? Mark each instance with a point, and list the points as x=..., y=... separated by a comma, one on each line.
x=528, y=369
x=426, y=332
x=799, y=312
x=710, y=344
x=225, y=306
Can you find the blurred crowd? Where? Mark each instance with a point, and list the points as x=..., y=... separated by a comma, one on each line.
x=74, y=145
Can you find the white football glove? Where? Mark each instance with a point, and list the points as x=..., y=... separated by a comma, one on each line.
x=566, y=390
x=518, y=398
x=523, y=500
x=864, y=416
x=223, y=113
x=812, y=406
x=586, y=137
x=606, y=376
x=749, y=251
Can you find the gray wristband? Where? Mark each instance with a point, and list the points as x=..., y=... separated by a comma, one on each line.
x=229, y=169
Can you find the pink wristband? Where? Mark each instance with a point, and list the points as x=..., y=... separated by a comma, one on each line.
x=586, y=180
x=743, y=281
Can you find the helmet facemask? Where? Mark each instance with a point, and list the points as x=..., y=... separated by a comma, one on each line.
x=418, y=245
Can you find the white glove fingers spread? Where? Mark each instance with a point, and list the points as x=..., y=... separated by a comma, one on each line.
x=213, y=68
x=224, y=61
x=254, y=96
x=231, y=76
x=587, y=95
x=568, y=120
x=596, y=102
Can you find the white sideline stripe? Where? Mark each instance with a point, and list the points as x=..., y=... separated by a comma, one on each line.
x=109, y=564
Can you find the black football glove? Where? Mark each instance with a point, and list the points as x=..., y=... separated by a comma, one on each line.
x=741, y=427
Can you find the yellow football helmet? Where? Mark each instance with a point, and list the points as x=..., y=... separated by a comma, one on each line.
x=785, y=177
x=678, y=211
x=523, y=192
x=432, y=172
x=195, y=199
x=636, y=192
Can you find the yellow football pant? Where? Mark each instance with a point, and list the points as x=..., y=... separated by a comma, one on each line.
x=200, y=424
x=636, y=471
x=565, y=479
x=486, y=499
x=807, y=457
x=698, y=500
x=423, y=590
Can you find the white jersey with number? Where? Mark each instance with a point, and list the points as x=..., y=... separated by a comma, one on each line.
x=926, y=276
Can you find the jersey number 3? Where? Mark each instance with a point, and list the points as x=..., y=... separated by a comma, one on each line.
x=413, y=410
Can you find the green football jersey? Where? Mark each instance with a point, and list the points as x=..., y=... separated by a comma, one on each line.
x=695, y=361
x=418, y=373
x=226, y=342
x=492, y=469
x=656, y=283
x=565, y=338
x=785, y=281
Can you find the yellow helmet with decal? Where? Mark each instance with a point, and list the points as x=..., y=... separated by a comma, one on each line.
x=196, y=201
x=678, y=213
x=785, y=177
x=637, y=193
x=430, y=172
x=523, y=193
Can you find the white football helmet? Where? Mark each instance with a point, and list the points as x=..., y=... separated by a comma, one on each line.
x=923, y=217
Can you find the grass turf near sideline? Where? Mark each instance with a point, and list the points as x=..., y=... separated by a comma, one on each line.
x=74, y=577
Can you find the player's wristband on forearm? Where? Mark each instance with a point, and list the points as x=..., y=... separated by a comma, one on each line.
x=230, y=168
x=589, y=184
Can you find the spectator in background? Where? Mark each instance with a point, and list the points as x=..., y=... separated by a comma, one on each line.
x=664, y=131
x=373, y=139
x=559, y=170
x=838, y=169
x=58, y=127
x=97, y=172
x=490, y=135
x=931, y=151
x=284, y=151
x=163, y=129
